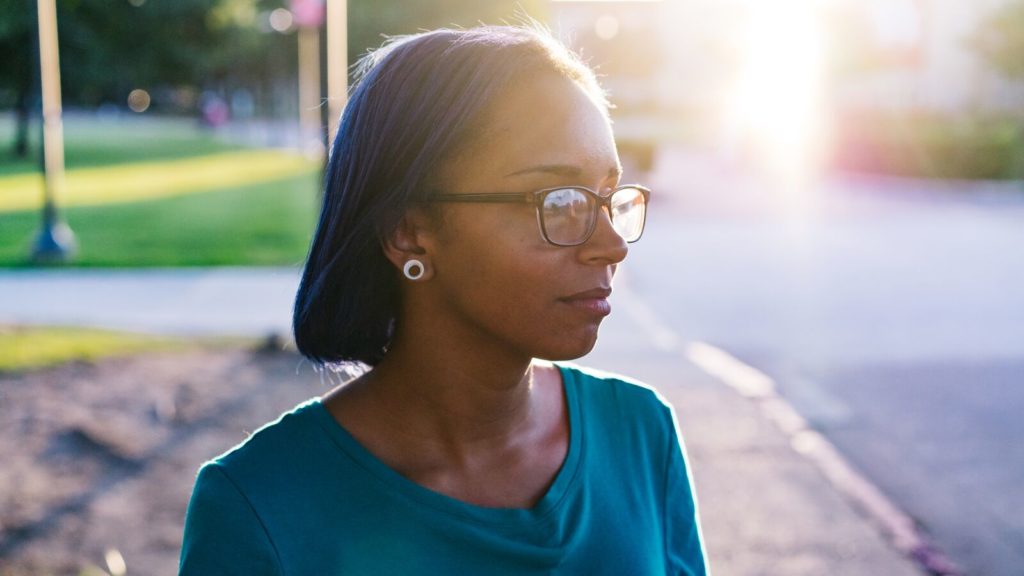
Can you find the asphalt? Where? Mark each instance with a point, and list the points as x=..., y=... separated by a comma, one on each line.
x=775, y=497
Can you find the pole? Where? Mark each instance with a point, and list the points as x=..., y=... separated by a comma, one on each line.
x=309, y=91
x=55, y=243
x=337, y=63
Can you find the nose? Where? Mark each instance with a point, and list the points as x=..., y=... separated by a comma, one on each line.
x=605, y=246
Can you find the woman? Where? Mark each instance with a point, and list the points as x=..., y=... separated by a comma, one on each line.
x=472, y=224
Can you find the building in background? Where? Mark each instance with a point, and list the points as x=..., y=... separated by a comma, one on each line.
x=680, y=55
x=786, y=79
x=924, y=59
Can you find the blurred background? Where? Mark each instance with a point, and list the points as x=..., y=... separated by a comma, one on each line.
x=796, y=89
x=838, y=209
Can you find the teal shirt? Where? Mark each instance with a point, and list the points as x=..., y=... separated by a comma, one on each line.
x=302, y=496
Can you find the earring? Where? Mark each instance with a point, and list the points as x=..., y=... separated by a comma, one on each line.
x=414, y=269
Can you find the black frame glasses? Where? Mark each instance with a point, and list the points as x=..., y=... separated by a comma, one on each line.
x=538, y=197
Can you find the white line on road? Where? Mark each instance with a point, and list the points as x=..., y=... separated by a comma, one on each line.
x=745, y=379
x=758, y=387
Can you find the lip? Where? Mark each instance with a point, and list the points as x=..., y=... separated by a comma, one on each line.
x=594, y=301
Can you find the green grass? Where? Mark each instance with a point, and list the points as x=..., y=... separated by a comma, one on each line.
x=268, y=223
x=91, y=142
x=23, y=348
x=264, y=224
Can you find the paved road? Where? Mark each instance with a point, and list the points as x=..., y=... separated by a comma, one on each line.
x=890, y=315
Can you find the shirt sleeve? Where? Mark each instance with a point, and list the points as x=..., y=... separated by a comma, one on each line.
x=684, y=541
x=223, y=534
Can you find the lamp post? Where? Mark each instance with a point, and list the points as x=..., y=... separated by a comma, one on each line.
x=337, y=64
x=309, y=17
x=55, y=243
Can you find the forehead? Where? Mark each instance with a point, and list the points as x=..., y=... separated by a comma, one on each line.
x=547, y=120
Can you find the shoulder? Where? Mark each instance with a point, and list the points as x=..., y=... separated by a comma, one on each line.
x=232, y=525
x=277, y=446
x=608, y=387
x=261, y=493
x=616, y=401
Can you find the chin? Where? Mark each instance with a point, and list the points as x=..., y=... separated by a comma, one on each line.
x=568, y=349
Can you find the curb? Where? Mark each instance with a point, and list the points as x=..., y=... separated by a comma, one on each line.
x=896, y=526
x=899, y=529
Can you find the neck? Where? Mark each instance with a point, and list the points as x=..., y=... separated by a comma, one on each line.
x=457, y=394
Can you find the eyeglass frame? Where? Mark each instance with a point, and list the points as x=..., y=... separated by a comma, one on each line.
x=536, y=197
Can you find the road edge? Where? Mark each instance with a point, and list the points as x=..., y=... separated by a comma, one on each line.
x=898, y=528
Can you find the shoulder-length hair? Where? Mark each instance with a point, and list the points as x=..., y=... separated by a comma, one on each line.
x=416, y=100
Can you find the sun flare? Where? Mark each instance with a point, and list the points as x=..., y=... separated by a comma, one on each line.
x=775, y=110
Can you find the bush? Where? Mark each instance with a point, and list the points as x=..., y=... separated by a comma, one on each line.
x=931, y=145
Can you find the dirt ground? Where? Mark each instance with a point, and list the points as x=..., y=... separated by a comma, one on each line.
x=97, y=460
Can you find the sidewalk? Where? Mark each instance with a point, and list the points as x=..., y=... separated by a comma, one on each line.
x=186, y=301
x=767, y=510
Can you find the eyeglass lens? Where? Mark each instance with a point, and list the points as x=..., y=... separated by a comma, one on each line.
x=628, y=211
x=568, y=215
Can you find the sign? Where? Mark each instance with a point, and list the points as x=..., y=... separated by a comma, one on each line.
x=308, y=13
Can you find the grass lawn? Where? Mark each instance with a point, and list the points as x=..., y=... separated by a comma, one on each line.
x=32, y=348
x=89, y=142
x=149, y=192
x=267, y=223
x=143, y=181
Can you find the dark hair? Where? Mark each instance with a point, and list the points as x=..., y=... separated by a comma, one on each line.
x=416, y=100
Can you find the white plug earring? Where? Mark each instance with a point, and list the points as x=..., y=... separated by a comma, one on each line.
x=414, y=269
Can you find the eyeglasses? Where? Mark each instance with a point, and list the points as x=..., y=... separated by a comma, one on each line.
x=568, y=215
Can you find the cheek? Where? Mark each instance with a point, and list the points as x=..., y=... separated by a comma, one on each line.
x=501, y=279
x=483, y=244
x=496, y=268
x=510, y=293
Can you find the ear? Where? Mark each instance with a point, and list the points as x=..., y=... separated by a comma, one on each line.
x=411, y=239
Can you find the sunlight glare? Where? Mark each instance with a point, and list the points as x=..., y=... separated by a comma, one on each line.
x=115, y=562
x=776, y=107
x=139, y=100
x=281, y=20
x=606, y=27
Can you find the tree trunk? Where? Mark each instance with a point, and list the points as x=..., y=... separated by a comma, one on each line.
x=22, y=113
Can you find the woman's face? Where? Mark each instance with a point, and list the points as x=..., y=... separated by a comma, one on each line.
x=492, y=269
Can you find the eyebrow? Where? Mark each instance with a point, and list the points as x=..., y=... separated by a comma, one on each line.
x=567, y=170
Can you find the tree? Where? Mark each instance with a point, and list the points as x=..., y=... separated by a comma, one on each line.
x=1000, y=39
x=109, y=47
x=369, y=20
x=17, y=36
